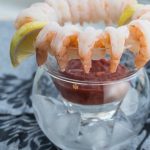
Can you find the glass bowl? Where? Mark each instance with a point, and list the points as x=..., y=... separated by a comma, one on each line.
x=90, y=115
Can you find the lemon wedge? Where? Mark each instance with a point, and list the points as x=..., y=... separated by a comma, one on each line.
x=128, y=13
x=22, y=44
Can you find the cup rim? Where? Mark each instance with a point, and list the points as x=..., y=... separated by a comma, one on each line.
x=54, y=74
x=57, y=76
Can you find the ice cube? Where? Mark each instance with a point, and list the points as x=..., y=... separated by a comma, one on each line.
x=121, y=132
x=138, y=119
x=44, y=111
x=130, y=103
x=68, y=125
x=56, y=118
x=96, y=136
x=123, y=128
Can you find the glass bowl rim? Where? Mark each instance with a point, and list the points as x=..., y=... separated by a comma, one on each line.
x=54, y=74
x=57, y=76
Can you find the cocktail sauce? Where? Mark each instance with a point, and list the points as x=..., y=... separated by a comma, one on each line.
x=91, y=94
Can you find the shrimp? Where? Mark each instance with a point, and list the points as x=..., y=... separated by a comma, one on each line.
x=75, y=11
x=93, y=11
x=84, y=11
x=43, y=42
x=74, y=6
x=61, y=43
x=140, y=32
x=113, y=5
x=87, y=40
x=107, y=9
x=146, y=16
x=114, y=40
x=101, y=10
x=79, y=10
x=37, y=12
x=143, y=9
x=62, y=9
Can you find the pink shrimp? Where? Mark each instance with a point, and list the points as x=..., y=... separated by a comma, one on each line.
x=62, y=10
x=143, y=9
x=61, y=43
x=74, y=6
x=84, y=11
x=87, y=40
x=93, y=11
x=115, y=8
x=140, y=33
x=101, y=6
x=146, y=16
x=114, y=40
x=43, y=42
x=37, y=12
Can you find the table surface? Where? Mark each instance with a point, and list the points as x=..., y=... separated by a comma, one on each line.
x=18, y=127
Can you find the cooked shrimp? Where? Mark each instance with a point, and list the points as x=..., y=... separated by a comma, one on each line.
x=37, y=12
x=101, y=6
x=114, y=39
x=93, y=11
x=146, y=16
x=87, y=40
x=143, y=9
x=74, y=6
x=62, y=9
x=140, y=32
x=61, y=43
x=113, y=5
x=43, y=41
x=49, y=11
x=76, y=11
x=84, y=11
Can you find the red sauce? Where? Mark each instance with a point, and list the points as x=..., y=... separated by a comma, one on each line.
x=89, y=94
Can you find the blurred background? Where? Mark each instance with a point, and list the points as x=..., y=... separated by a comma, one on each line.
x=10, y=8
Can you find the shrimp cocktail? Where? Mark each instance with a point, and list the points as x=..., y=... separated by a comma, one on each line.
x=90, y=91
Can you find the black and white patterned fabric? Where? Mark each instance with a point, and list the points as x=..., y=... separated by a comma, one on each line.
x=18, y=127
